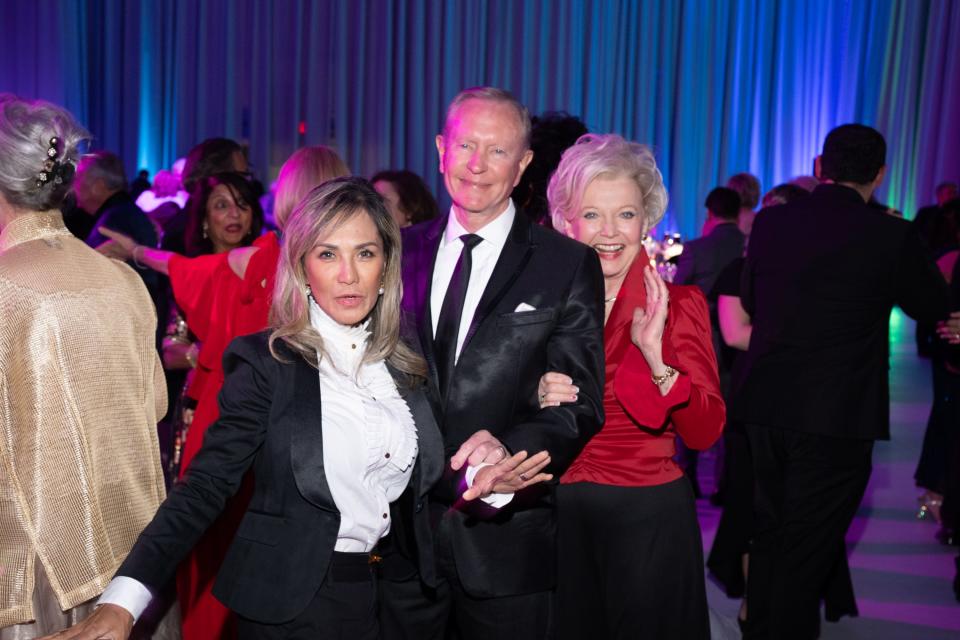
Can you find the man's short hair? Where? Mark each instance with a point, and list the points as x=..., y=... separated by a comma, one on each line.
x=492, y=94
x=853, y=153
x=747, y=187
x=723, y=203
x=943, y=186
x=105, y=166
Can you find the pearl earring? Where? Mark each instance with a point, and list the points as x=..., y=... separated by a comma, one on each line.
x=381, y=289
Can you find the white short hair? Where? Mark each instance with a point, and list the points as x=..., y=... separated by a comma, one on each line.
x=605, y=156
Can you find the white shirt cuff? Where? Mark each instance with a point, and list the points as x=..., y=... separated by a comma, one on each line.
x=495, y=500
x=128, y=593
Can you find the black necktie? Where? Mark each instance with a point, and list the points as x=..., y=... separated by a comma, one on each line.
x=448, y=324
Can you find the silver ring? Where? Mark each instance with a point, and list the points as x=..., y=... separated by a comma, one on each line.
x=503, y=452
x=543, y=397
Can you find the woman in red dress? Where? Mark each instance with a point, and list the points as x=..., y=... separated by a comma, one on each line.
x=224, y=296
x=631, y=560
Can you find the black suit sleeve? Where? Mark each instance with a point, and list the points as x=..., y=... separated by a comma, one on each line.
x=214, y=475
x=685, y=265
x=576, y=349
x=921, y=290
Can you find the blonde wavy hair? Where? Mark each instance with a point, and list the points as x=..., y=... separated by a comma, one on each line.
x=605, y=156
x=318, y=214
x=304, y=169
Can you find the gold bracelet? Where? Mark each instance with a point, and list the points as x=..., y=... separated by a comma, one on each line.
x=191, y=355
x=133, y=254
x=659, y=380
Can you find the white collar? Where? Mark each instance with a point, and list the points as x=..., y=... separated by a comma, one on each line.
x=495, y=232
x=338, y=336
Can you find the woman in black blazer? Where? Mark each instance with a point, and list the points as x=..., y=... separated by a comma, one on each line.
x=302, y=564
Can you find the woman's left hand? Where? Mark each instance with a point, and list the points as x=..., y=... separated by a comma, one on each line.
x=648, y=323
x=510, y=475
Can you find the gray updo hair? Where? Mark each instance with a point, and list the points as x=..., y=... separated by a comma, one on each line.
x=26, y=128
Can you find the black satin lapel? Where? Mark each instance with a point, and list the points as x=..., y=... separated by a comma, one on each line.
x=513, y=258
x=306, y=439
x=426, y=259
x=429, y=440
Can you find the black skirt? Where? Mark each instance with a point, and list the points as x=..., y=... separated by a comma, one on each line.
x=631, y=563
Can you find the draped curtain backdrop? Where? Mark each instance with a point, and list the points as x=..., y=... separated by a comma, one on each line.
x=714, y=86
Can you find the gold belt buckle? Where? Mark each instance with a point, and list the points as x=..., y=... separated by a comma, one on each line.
x=374, y=558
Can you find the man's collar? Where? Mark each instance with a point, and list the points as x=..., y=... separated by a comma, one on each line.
x=116, y=198
x=496, y=231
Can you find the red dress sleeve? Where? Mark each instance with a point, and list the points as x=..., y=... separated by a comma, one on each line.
x=693, y=406
x=194, y=281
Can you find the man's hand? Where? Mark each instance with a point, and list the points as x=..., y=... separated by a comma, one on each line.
x=479, y=448
x=107, y=622
x=509, y=476
x=949, y=329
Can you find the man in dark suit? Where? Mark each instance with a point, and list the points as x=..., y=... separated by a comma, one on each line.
x=700, y=264
x=815, y=394
x=722, y=242
x=495, y=302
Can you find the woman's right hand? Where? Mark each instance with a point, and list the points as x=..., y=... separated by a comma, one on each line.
x=119, y=245
x=556, y=388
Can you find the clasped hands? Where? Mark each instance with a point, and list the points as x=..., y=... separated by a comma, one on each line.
x=503, y=473
x=949, y=329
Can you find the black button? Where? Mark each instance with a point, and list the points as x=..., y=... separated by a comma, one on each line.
x=387, y=456
x=419, y=506
x=384, y=516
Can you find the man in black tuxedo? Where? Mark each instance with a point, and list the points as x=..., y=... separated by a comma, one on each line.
x=815, y=395
x=700, y=264
x=495, y=302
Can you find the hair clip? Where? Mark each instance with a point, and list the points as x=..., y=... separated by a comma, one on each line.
x=51, y=166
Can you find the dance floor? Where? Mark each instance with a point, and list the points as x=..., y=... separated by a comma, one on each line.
x=901, y=574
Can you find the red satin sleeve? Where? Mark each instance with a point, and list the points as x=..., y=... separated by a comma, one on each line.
x=193, y=281
x=693, y=405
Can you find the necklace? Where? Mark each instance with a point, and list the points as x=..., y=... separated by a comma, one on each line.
x=609, y=300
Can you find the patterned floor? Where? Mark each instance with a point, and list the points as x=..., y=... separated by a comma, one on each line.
x=901, y=574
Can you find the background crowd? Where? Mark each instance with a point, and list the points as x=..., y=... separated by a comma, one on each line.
x=547, y=343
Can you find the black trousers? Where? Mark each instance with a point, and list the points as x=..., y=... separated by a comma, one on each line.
x=411, y=611
x=344, y=608
x=808, y=488
x=631, y=563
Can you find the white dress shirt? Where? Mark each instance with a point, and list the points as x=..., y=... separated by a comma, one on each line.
x=369, y=437
x=369, y=447
x=484, y=259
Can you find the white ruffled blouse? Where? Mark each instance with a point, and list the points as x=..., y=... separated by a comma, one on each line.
x=369, y=436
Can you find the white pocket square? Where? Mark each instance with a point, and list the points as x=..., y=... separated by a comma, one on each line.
x=523, y=306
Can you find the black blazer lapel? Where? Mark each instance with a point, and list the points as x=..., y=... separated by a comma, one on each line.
x=513, y=258
x=424, y=259
x=306, y=437
x=429, y=440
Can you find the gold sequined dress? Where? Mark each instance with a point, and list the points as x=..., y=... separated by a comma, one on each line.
x=81, y=390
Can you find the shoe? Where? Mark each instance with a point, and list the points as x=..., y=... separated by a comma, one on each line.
x=956, y=579
x=930, y=504
x=946, y=536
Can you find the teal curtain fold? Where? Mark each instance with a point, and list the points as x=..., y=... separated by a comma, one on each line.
x=713, y=86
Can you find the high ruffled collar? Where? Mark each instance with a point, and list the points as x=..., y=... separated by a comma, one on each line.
x=330, y=329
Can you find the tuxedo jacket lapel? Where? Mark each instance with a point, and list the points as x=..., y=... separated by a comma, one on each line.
x=426, y=256
x=306, y=438
x=514, y=256
x=429, y=439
